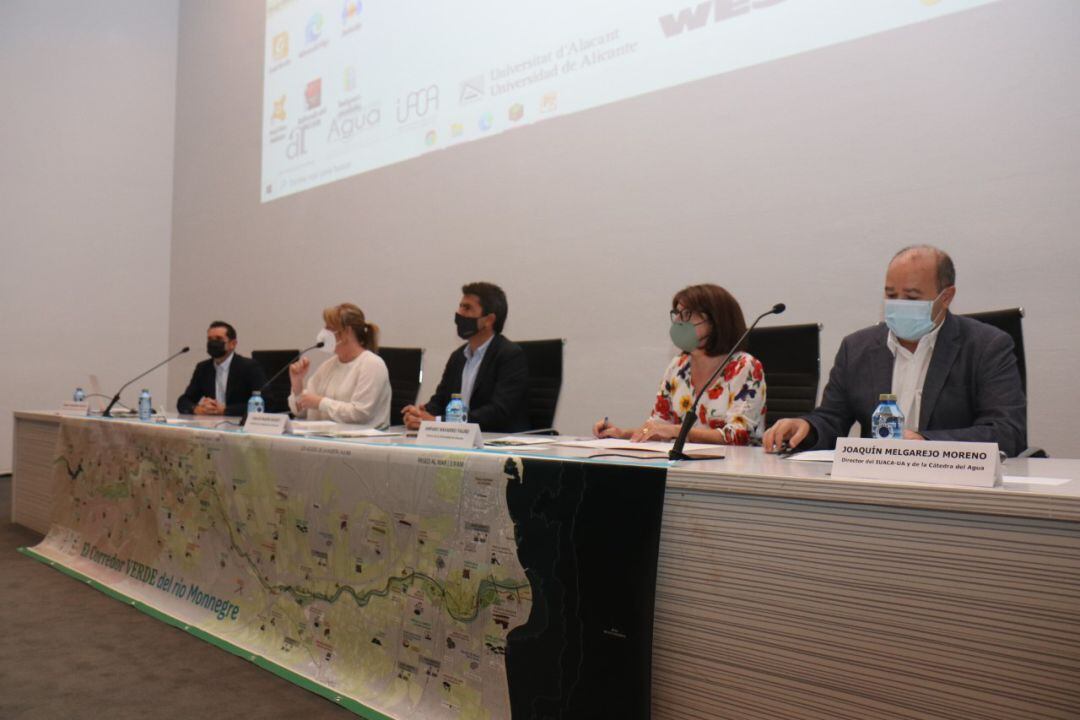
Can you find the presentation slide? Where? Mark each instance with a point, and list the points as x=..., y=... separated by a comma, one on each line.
x=354, y=85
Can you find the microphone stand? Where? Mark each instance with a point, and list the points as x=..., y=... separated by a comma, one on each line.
x=283, y=368
x=116, y=397
x=690, y=417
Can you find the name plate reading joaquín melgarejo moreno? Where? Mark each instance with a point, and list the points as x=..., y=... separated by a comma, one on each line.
x=918, y=461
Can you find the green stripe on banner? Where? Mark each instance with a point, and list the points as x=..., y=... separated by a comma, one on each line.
x=259, y=661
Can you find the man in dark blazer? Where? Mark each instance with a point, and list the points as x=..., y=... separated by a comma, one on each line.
x=490, y=372
x=958, y=377
x=223, y=384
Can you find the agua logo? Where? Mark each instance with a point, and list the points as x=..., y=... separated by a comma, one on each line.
x=346, y=125
x=697, y=16
x=418, y=103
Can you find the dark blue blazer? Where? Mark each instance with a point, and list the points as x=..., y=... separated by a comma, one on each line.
x=500, y=394
x=245, y=375
x=972, y=390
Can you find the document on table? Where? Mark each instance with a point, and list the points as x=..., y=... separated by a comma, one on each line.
x=811, y=456
x=331, y=429
x=694, y=450
x=516, y=440
x=1021, y=479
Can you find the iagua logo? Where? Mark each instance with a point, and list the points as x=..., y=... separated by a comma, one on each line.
x=353, y=121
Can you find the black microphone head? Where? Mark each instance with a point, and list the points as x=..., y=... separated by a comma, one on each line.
x=320, y=344
x=779, y=308
x=186, y=348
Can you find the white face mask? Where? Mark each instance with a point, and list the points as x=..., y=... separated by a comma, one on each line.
x=326, y=337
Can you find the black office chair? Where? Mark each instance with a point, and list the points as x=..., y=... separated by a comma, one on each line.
x=404, y=368
x=545, y=359
x=791, y=356
x=1010, y=320
x=276, y=395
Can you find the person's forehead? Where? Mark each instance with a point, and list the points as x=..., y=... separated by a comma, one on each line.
x=470, y=300
x=218, y=332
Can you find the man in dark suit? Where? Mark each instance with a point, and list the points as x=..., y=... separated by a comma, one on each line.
x=223, y=384
x=955, y=378
x=489, y=372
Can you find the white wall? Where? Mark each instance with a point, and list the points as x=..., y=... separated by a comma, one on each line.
x=85, y=197
x=792, y=181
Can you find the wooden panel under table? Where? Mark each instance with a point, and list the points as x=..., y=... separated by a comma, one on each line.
x=31, y=481
x=773, y=607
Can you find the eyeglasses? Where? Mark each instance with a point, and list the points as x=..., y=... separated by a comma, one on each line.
x=683, y=316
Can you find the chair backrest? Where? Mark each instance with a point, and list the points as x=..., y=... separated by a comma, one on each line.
x=404, y=368
x=545, y=359
x=791, y=356
x=1011, y=321
x=276, y=395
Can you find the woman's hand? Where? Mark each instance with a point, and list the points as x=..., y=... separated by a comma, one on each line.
x=297, y=372
x=604, y=429
x=655, y=430
x=308, y=401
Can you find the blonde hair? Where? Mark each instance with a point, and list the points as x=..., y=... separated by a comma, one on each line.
x=347, y=315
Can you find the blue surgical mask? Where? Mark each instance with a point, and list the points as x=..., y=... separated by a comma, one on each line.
x=910, y=319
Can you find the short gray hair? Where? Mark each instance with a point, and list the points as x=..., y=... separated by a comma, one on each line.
x=946, y=271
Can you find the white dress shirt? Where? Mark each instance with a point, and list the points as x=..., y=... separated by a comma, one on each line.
x=909, y=374
x=472, y=367
x=356, y=392
x=221, y=378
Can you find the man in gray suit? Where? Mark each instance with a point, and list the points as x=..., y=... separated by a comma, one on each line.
x=955, y=378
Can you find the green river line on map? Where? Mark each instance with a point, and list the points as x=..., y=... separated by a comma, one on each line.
x=485, y=593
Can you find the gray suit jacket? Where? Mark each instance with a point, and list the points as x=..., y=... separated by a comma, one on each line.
x=972, y=390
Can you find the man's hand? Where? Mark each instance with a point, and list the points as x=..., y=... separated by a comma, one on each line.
x=413, y=415
x=209, y=406
x=912, y=435
x=791, y=431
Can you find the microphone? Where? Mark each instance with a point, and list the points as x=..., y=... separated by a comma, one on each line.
x=286, y=365
x=283, y=368
x=691, y=415
x=116, y=397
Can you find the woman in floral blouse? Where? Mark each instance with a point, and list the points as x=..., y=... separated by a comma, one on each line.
x=705, y=322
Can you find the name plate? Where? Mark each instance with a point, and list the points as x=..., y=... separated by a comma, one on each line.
x=266, y=423
x=449, y=434
x=918, y=461
x=74, y=409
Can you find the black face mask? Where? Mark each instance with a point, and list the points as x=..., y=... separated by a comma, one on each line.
x=216, y=348
x=466, y=326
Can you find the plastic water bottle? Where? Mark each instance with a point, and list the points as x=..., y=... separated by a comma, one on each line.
x=888, y=422
x=456, y=410
x=79, y=395
x=146, y=405
x=256, y=404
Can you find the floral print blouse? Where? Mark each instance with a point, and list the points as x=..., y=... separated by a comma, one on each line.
x=735, y=404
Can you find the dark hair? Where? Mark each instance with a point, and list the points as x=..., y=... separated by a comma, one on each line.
x=722, y=311
x=230, y=331
x=492, y=300
x=347, y=315
x=946, y=271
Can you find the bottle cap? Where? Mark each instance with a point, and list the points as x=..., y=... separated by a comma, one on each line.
x=455, y=396
x=886, y=397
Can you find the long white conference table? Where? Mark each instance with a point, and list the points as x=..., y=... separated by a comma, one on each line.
x=783, y=593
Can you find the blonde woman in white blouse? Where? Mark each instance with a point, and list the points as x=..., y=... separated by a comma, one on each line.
x=353, y=386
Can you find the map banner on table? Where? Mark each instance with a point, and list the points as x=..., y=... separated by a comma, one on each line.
x=389, y=579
